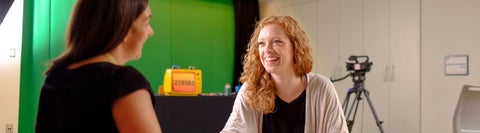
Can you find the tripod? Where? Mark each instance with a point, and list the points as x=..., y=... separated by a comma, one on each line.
x=358, y=88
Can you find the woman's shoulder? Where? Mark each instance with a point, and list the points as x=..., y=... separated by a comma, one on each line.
x=88, y=72
x=318, y=82
x=120, y=77
x=128, y=70
x=317, y=77
x=128, y=74
x=127, y=79
x=107, y=68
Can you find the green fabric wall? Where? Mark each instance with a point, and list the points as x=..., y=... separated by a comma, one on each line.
x=196, y=33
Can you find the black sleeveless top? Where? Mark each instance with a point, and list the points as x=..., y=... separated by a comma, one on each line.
x=287, y=117
x=81, y=100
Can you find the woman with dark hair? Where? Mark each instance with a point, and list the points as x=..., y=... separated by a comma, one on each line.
x=280, y=94
x=88, y=88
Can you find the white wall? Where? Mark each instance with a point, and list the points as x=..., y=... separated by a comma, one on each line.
x=11, y=38
x=449, y=27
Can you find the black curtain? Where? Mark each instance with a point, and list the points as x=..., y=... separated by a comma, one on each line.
x=246, y=15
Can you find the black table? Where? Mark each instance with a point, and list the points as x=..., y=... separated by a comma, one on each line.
x=193, y=114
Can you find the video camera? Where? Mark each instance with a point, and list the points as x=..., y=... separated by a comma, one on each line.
x=359, y=66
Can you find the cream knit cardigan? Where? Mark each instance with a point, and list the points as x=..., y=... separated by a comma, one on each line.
x=324, y=113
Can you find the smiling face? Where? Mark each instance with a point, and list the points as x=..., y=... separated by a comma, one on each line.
x=275, y=49
x=138, y=34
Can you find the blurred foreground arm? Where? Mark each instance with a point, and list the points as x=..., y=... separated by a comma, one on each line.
x=134, y=113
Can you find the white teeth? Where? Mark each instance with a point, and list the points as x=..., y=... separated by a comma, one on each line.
x=270, y=59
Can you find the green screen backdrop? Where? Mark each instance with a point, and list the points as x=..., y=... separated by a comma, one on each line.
x=187, y=33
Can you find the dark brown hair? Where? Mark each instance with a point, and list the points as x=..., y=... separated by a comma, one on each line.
x=97, y=27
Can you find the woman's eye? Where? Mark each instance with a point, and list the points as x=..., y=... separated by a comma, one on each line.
x=276, y=42
x=261, y=43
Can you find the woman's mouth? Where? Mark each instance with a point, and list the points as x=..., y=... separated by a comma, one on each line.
x=271, y=60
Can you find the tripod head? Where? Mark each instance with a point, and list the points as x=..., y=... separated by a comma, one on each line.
x=358, y=69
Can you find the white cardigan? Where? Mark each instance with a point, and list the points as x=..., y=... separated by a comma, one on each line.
x=324, y=113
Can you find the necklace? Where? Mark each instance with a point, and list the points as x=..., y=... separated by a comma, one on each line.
x=110, y=58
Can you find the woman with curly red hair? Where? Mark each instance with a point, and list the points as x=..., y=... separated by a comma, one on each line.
x=280, y=94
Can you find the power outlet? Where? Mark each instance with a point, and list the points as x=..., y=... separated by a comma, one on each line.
x=9, y=128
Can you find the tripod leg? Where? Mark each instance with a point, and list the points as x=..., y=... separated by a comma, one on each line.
x=353, y=107
x=345, y=102
x=378, y=122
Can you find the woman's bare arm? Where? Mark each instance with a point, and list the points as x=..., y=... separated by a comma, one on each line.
x=134, y=113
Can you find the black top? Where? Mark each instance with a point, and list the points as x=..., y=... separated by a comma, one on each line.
x=287, y=117
x=81, y=100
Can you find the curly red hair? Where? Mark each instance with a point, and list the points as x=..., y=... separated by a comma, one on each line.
x=260, y=91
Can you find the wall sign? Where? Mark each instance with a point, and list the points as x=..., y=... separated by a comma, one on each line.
x=456, y=65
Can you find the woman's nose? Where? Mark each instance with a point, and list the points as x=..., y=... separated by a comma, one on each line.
x=268, y=48
x=150, y=31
